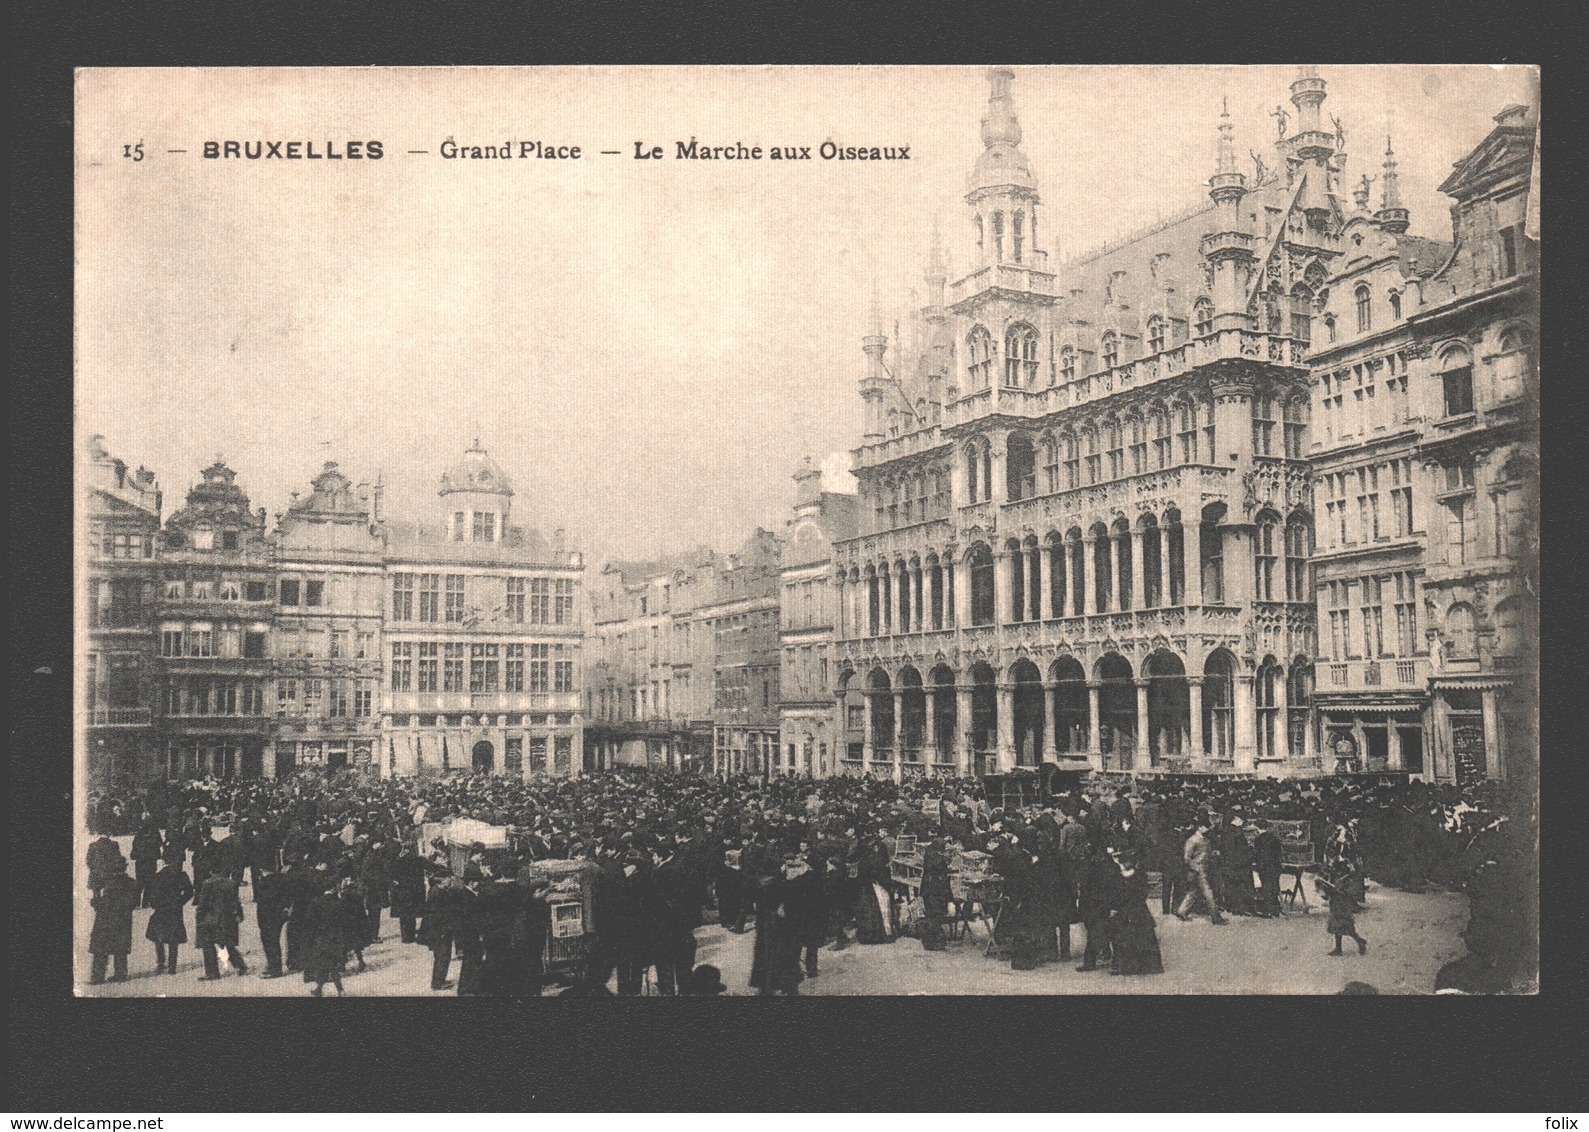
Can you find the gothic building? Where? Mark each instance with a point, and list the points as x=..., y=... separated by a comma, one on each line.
x=1090, y=489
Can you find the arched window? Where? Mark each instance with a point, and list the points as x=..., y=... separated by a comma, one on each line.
x=1299, y=547
x=1067, y=365
x=979, y=232
x=1139, y=445
x=1203, y=318
x=1155, y=334
x=1302, y=313
x=1111, y=349
x=1160, y=425
x=1329, y=327
x=1456, y=380
x=1296, y=427
x=998, y=237
x=1072, y=461
x=1114, y=452
x=1462, y=637
x=1186, y=431
x=1512, y=364
x=1263, y=425
x=1020, y=468
x=1017, y=235
x=1266, y=547
x=1020, y=356
x=979, y=358
x=1051, y=478
x=981, y=561
x=1395, y=305
x=1089, y=444
x=1365, y=317
x=973, y=465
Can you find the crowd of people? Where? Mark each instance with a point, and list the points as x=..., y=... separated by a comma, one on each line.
x=804, y=864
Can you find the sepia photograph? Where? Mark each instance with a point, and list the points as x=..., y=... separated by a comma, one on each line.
x=806, y=531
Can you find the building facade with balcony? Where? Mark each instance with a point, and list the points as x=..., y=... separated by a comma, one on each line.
x=483, y=636
x=644, y=686
x=741, y=617
x=120, y=513
x=1085, y=498
x=327, y=644
x=1477, y=328
x=810, y=730
x=216, y=607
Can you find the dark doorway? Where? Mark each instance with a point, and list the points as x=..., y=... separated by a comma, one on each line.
x=484, y=757
x=1411, y=749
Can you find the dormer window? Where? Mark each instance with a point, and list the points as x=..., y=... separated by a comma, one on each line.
x=1365, y=318
x=1203, y=318
x=1067, y=365
x=1111, y=350
x=228, y=540
x=1395, y=305
x=203, y=538
x=1155, y=334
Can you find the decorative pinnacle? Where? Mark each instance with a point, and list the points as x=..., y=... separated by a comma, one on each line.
x=1227, y=143
x=936, y=267
x=1390, y=185
x=1001, y=124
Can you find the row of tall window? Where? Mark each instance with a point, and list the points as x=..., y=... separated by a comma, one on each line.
x=317, y=697
x=1368, y=504
x=180, y=587
x=331, y=642
x=113, y=543
x=1355, y=624
x=802, y=606
x=442, y=598
x=207, y=696
x=915, y=498
x=994, y=229
x=480, y=667
x=227, y=640
x=1371, y=396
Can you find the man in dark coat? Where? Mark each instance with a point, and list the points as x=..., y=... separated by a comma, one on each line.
x=272, y=901
x=935, y=897
x=1017, y=926
x=169, y=892
x=1267, y=859
x=104, y=861
x=529, y=930
x=1235, y=865
x=218, y=911
x=672, y=921
x=408, y=892
x=805, y=908
x=1094, y=902
x=775, y=968
x=111, y=937
x=147, y=846
x=443, y=906
x=375, y=880
x=635, y=896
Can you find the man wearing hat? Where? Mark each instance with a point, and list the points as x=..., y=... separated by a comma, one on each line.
x=1235, y=865
x=1196, y=854
x=1268, y=861
x=706, y=980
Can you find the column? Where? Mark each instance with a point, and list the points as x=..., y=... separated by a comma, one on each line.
x=1492, y=734
x=840, y=613
x=1144, y=740
x=899, y=730
x=1393, y=735
x=1192, y=556
x=576, y=760
x=1094, y=750
x=1244, y=722
x=1006, y=742
x=1037, y=600
x=921, y=606
x=1050, y=735
x=1139, y=579
x=1089, y=593
x=929, y=737
x=1194, y=703
x=1282, y=739
x=1114, y=573
x=867, y=746
x=1310, y=736
x=964, y=756
x=1004, y=586
x=267, y=762
x=1164, y=566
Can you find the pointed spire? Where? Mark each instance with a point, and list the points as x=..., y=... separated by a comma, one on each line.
x=1001, y=124
x=875, y=312
x=1392, y=216
x=1227, y=139
x=937, y=265
x=1001, y=163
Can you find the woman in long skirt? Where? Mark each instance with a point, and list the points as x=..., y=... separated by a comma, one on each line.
x=1135, y=941
x=874, y=908
x=326, y=925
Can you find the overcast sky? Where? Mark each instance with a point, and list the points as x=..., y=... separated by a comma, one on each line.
x=648, y=347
